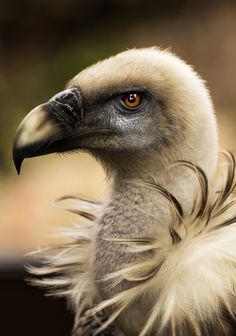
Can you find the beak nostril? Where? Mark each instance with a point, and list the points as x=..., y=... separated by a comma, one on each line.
x=70, y=103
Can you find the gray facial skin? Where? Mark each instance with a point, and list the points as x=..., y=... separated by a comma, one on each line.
x=70, y=121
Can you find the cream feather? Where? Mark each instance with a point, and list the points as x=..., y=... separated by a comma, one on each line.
x=190, y=278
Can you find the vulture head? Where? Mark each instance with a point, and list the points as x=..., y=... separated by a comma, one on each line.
x=137, y=112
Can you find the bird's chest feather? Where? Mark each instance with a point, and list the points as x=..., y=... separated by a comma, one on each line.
x=131, y=214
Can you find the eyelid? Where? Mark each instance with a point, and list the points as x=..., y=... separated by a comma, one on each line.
x=125, y=91
x=116, y=97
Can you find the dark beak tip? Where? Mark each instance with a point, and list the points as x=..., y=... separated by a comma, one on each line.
x=17, y=161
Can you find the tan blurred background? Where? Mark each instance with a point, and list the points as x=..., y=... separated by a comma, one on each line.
x=44, y=43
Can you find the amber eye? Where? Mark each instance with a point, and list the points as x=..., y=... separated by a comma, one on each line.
x=132, y=100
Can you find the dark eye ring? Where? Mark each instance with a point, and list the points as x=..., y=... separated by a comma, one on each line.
x=132, y=100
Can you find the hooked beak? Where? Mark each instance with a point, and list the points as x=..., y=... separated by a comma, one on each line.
x=50, y=127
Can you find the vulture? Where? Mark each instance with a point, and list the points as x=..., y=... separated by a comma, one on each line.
x=158, y=257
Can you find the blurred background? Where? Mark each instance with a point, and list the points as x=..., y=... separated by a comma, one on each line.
x=42, y=45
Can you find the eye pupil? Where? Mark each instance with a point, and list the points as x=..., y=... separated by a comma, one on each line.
x=132, y=100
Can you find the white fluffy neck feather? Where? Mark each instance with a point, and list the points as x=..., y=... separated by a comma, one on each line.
x=189, y=280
